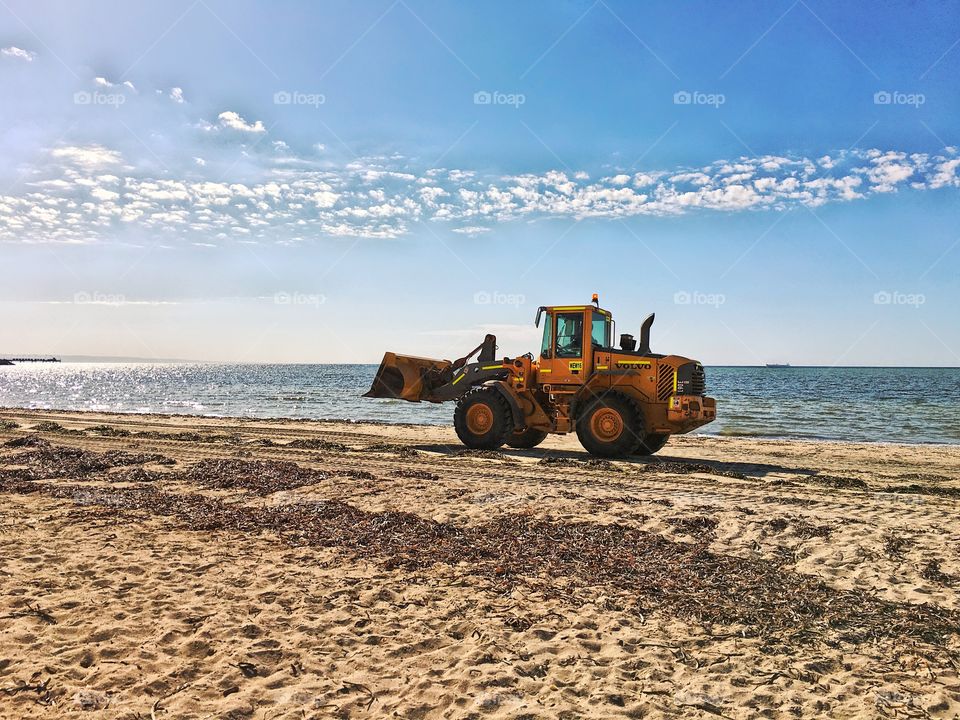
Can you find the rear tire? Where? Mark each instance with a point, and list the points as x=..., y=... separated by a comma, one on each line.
x=483, y=420
x=610, y=426
x=652, y=443
x=525, y=439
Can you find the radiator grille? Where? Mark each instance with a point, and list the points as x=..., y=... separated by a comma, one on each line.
x=664, y=382
x=698, y=381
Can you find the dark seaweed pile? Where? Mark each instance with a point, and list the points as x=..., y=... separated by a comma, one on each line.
x=262, y=477
x=69, y=463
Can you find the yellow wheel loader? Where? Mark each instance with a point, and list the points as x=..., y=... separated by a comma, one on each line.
x=620, y=401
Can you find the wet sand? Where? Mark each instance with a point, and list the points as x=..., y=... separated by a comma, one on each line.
x=179, y=567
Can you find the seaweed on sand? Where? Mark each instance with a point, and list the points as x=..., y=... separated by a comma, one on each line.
x=27, y=441
x=317, y=444
x=757, y=597
x=262, y=477
x=54, y=461
x=107, y=431
x=415, y=474
x=696, y=526
x=688, y=468
x=590, y=464
x=401, y=450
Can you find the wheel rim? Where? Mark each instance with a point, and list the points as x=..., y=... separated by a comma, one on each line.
x=606, y=424
x=479, y=419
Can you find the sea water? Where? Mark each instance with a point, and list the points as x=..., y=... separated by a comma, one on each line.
x=913, y=405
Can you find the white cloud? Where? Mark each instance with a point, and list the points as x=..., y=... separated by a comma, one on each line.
x=234, y=121
x=89, y=157
x=90, y=195
x=103, y=194
x=471, y=230
x=946, y=174
x=18, y=53
x=104, y=83
x=176, y=94
x=889, y=169
x=324, y=199
x=696, y=178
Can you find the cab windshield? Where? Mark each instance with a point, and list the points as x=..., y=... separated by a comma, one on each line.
x=569, y=335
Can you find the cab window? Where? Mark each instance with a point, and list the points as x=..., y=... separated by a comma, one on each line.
x=600, y=331
x=545, y=345
x=569, y=342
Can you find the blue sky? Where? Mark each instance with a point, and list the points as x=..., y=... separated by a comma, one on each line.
x=319, y=182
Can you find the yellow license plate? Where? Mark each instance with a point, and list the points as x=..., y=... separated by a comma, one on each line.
x=576, y=365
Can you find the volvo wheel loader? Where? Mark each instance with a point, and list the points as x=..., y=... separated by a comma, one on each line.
x=620, y=401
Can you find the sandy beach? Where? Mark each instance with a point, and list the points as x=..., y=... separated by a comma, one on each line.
x=158, y=566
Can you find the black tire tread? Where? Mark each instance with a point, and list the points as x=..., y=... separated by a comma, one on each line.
x=652, y=443
x=502, y=424
x=526, y=439
x=627, y=443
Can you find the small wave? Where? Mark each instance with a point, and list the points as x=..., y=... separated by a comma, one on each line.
x=736, y=432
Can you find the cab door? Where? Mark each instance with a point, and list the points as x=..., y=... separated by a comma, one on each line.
x=565, y=347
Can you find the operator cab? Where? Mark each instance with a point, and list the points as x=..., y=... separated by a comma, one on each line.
x=571, y=335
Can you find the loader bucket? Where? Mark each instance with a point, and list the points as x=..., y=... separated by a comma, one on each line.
x=404, y=377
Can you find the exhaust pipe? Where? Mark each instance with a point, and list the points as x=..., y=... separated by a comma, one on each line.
x=645, y=334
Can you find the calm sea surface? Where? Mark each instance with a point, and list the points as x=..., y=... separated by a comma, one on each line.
x=872, y=404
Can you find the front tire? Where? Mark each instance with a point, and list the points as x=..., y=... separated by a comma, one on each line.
x=652, y=443
x=526, y=439
x=610, y=427
x=483, y=420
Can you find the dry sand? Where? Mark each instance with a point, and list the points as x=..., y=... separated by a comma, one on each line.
x=388, y=574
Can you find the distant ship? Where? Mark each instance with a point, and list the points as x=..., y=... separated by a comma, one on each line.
x=778, y=365
x=14, y=361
